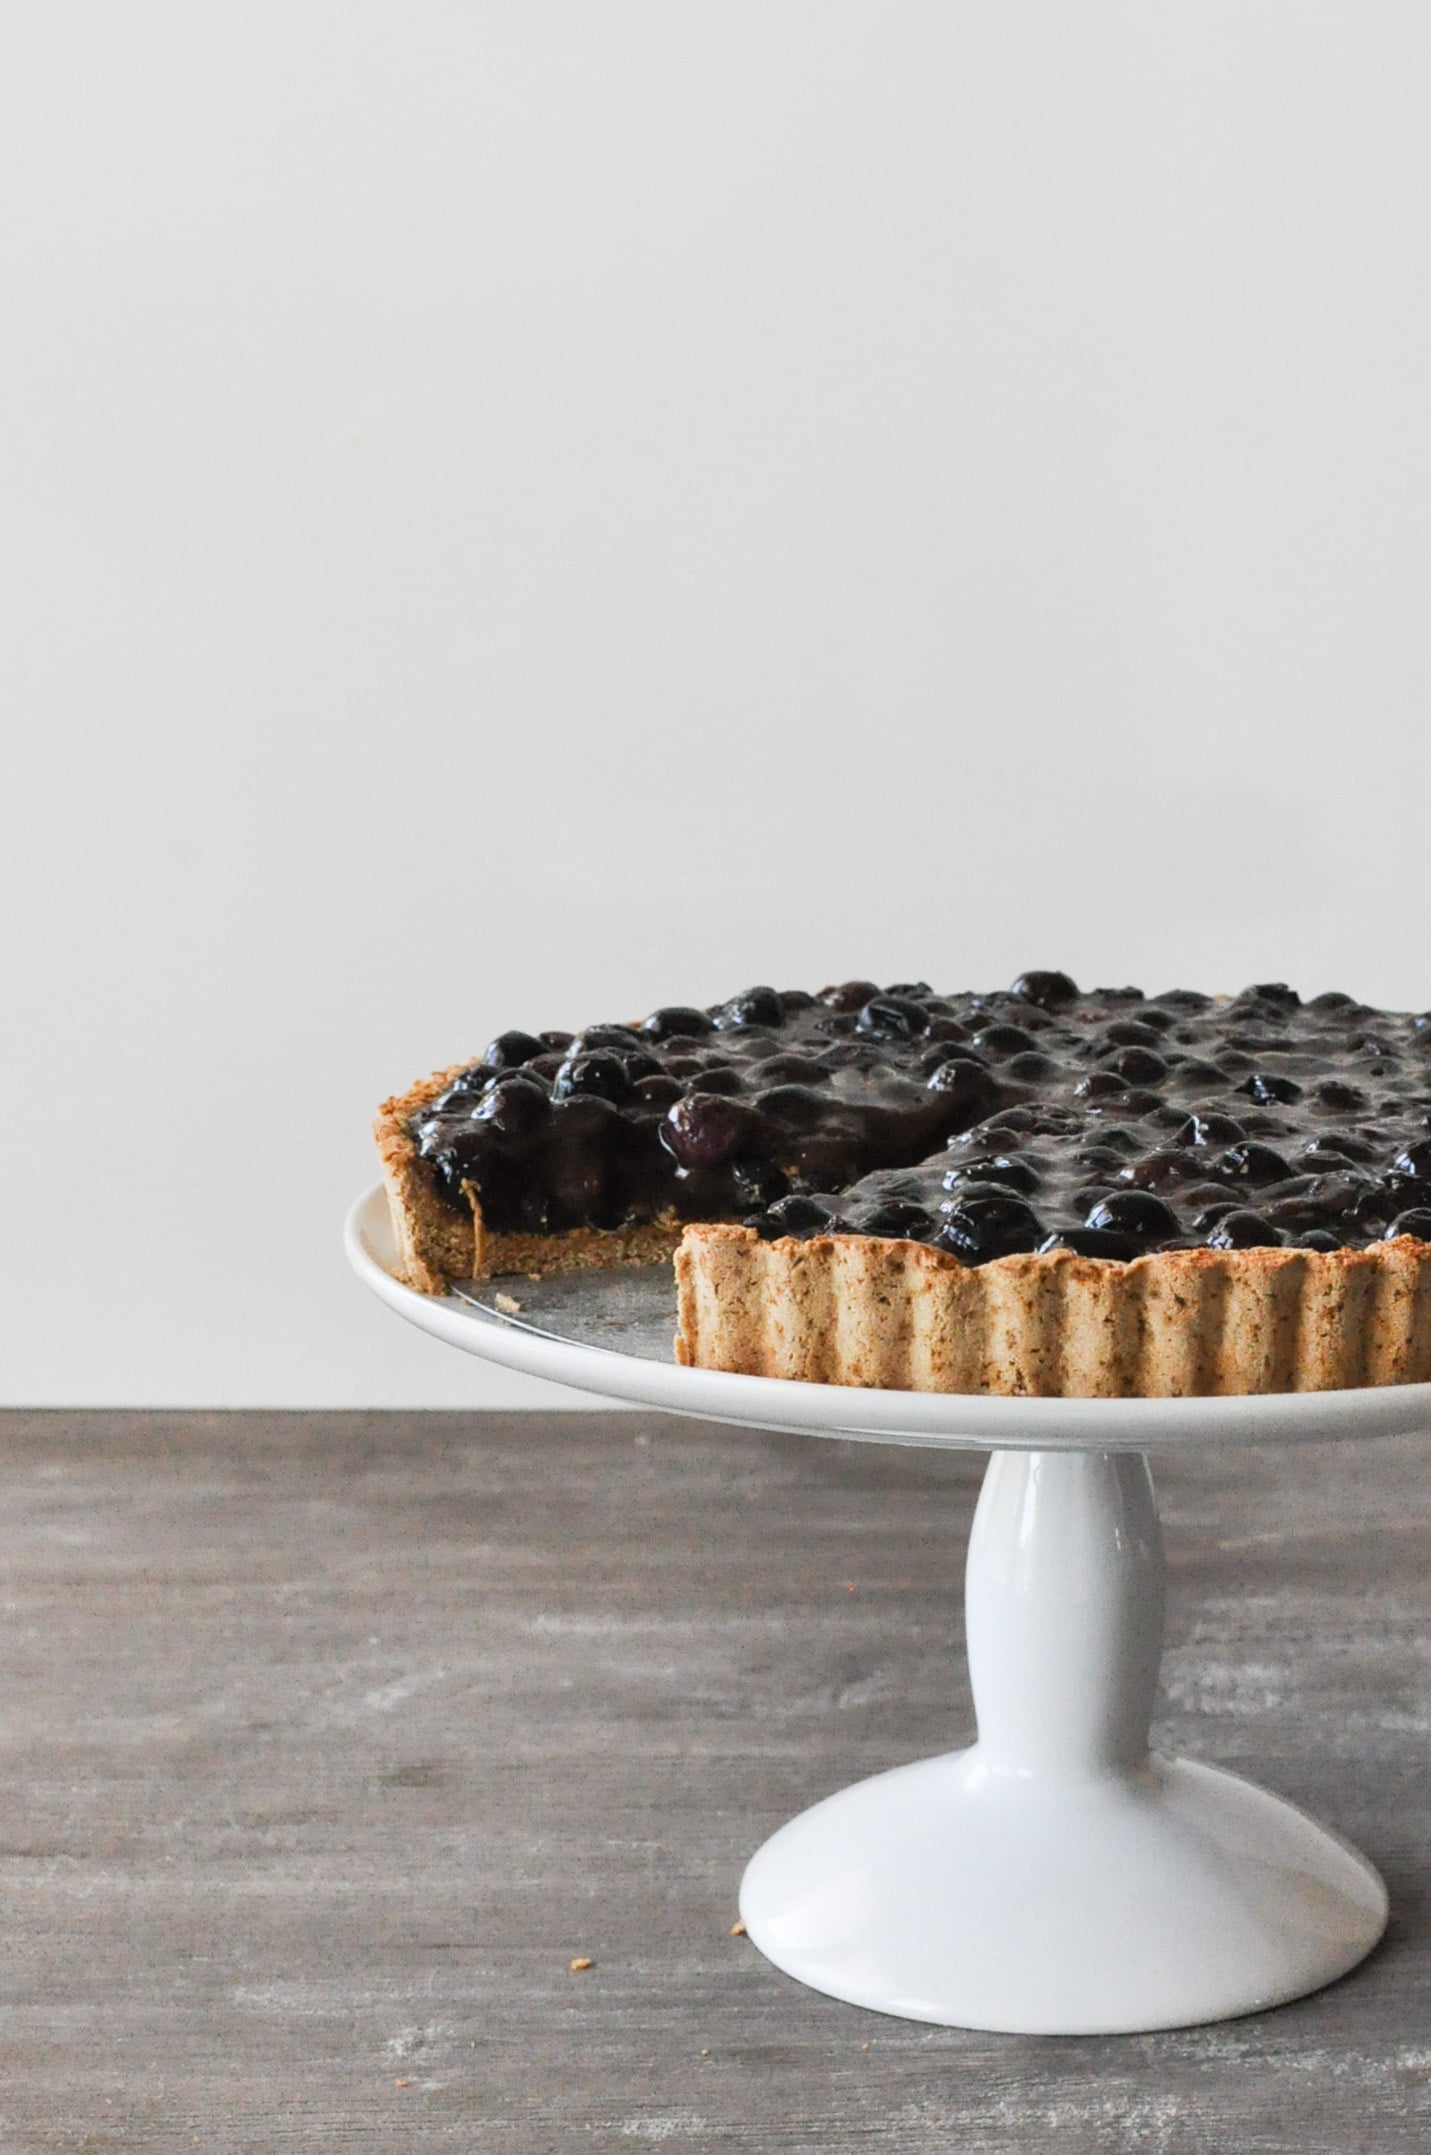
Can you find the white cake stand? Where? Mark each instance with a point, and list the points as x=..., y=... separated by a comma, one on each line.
x=1057, y=1877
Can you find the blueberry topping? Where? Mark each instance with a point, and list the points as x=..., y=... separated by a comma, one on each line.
x=1261, y=1117
x=800, y=1215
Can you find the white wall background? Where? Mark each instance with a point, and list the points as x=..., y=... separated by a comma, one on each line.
x=512, y=513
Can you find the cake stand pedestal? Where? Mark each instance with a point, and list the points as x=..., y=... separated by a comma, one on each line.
x=1058, y=1876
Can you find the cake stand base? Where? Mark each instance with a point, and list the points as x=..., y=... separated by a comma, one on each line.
x=953, y=1892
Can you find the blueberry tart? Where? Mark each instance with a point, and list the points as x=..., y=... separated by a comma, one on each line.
x=1037, y=1190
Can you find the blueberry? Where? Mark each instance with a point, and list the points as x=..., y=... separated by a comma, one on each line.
x=1031, y=1068
x=1333, y=1000
x=756, y=1183
x=989, y=1224
x=658, y=1091
x=510, y=1050
x=792, y=999
x=1317, y=1238
x=1341, y=1099
x=801, y=1215
x=892, y=1017
x=1001, y=1041
x=1241, y=1230
x=1275, y=992
x=1253, y=1163
x=1137, y=1066
x=600, y=1072
x=462, y=1091
x=898, y=1218
x=1048, y=990
x=514, y=1106
x=1196, y=1075
x=970, y=1085
x=788, y=1069
x=707, y=1129
x=1094, y=1242
x=1163, y=1169
x=1417, y=1222
x=1266, y=1086
x=913, y=990
x=1415, y=1160
x=1135, y=1212
x=1098, y=1085
x=676, y=1021
x=1009, y=1174
x=720, y=1077
x=756, y=1006
x=1210, y=1214
x=1335, y=1148
x=1182, y=999
x=850, y=995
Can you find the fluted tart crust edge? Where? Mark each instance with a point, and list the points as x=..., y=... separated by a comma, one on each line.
x=894, y=1315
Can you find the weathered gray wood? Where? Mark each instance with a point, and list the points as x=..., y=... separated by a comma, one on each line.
x=329, y=1740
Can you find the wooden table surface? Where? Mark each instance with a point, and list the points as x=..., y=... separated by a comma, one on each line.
x=331, y=1739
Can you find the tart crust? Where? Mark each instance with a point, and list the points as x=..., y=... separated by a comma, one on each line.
x=439, y=1245
x=857, y=1310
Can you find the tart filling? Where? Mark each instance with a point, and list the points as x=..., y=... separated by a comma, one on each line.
x=1094, y=1147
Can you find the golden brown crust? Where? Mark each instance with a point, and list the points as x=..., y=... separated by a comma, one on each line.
x=847, y=1309
x=439, y=1245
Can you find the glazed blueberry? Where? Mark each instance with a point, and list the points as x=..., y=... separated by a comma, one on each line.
x=1242, y=1230
x=1031, y=1068
x=1163, y=1170
x=1266, y=1086
x=912, y=990
x=600, y=1072
x=969, y=1084
x=1415, y=1160
x=658, y=1091
x=1048, y=990
x=1138, y=1066
x=892, y=1017
x=988, y=1224
x=1257, y=1164
x=756, y=1183
x=1135, y=1212
x=515, y=1106
x=510, y=1050
x=897, y=1218
x=801, y=1215
x=1340, y=1098
x=1009, y=1174
x=676, y=1021
x=707, y=1129
x=756, y=1006
x=1417, y=1222
x=1206, y=1127
x=1317, y=1238
x=999, y=1042
x=849, y=996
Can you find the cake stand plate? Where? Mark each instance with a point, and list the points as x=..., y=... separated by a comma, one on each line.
x=1057, y=1876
